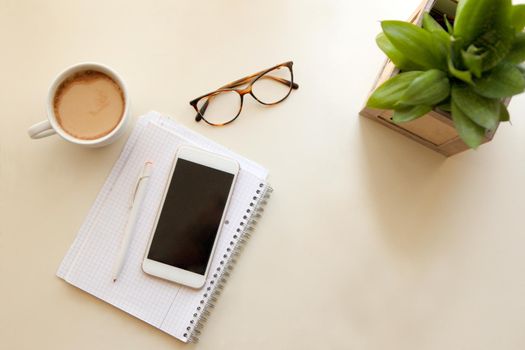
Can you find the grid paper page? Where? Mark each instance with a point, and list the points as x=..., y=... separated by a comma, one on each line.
x=101, y=197
x=89, y=265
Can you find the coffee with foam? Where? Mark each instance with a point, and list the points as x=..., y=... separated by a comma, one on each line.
x=89, y=105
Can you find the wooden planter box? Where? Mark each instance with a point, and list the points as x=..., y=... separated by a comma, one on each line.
x=434, y=130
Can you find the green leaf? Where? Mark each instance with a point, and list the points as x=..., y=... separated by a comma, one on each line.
x=472, y=61
x=517, y=52
x=407, y=114
x=438, y=33
x=450, y=29
x=496, y=44
x=518, y=17
x=503, y=81
x=428, y=89
x=442, y=46
x=430, y=24
x=465, y=76
x=387, y=96
x=487, y=24
x=471, y=133
x=481, y=110
x=476, y=17
x=414, y=42
x=400, y=60
x=504, y=115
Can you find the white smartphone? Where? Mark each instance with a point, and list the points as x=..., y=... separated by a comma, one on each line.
x=190, y=217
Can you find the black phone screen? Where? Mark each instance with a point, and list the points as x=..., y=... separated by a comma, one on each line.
x=190, y=217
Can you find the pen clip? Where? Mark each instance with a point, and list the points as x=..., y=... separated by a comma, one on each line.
x=135, y=190
x=134, y=194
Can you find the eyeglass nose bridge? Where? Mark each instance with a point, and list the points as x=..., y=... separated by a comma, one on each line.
x=245, y=91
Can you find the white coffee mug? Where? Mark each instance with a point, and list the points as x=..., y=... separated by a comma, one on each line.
x=51, y=126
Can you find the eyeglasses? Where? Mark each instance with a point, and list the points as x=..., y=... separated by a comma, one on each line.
x=223, y=106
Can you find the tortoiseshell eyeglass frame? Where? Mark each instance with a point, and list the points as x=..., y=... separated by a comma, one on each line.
x=249, y=81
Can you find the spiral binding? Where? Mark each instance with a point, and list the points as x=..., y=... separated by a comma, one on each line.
x=220, y=275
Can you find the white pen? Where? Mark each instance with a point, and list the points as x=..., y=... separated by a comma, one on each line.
x=138, y=198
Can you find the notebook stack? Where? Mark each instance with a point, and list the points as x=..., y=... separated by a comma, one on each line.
x=175, y=309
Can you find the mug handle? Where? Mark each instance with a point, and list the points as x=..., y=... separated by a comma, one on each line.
x=40, y=130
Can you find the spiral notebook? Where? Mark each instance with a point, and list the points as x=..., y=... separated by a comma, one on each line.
x=177, y=310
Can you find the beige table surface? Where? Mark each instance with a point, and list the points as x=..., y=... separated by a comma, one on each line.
x=370, y=241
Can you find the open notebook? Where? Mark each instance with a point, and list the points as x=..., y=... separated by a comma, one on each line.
x=177, y=310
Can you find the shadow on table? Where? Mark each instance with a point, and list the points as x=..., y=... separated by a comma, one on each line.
x=407, y=189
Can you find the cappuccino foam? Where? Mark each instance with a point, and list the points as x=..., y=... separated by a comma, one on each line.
x=89, y=105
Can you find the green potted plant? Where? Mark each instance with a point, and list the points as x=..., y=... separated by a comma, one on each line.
x=461, y=72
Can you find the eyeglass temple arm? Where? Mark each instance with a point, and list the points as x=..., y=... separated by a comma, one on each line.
x=201, y=112
x=239, y=82
x=295, y=86
x=245, y=80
